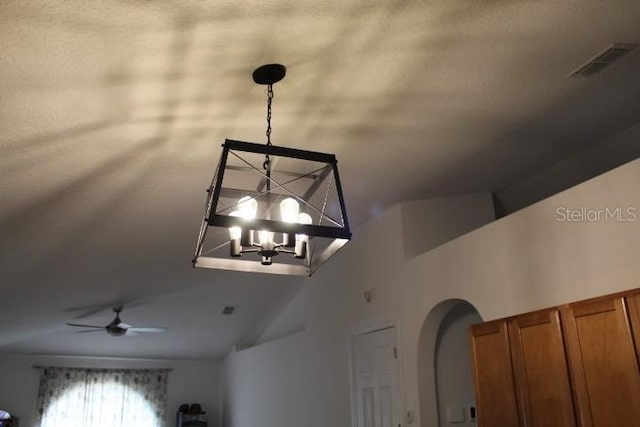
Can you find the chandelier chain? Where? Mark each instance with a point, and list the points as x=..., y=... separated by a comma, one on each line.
x=269, y=101
x=267, y=161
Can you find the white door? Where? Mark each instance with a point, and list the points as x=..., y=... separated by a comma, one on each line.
x=375, y=365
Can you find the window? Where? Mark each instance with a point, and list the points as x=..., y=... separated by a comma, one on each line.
x=74, y=397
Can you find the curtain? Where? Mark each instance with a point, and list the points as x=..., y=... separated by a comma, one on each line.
x=76, y=397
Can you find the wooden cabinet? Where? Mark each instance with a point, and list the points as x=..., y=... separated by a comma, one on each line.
x=574, y=365
x=494, y=386
x=603, y=363
x=540, y=368
x=633, y=303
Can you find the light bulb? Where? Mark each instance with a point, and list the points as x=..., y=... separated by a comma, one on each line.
x=304, y=218
x=302, y=240
x=289, y=209
x=247, y=207
x=235, y=232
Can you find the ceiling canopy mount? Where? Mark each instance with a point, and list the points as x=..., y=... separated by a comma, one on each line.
x=269, y=74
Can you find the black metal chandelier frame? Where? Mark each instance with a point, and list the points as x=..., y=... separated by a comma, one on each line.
x=338, y=233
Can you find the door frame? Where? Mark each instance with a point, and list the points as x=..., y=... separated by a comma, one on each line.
x=374, y=327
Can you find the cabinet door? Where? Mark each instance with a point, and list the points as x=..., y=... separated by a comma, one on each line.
x=633, y=302
x=493, y=375
x=603, y=363
x=540, y=369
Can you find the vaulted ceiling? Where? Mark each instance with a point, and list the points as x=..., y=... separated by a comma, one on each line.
x=112, y=114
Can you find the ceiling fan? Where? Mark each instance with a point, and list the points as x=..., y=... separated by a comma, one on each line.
x=117, y=327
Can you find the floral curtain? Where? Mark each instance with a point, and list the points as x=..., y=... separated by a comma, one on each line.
x=76, y=397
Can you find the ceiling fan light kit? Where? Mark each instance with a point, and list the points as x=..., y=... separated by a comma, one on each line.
x=272, y=209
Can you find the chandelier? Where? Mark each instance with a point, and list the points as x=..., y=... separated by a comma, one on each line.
x=272, y=209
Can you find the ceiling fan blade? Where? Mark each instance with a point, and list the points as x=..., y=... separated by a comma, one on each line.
x=88, y=330
x=157, y=330
x=123, y=325
x=85, y=326
x=130, y=333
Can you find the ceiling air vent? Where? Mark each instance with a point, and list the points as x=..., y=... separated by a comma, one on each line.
x=228, y=310
x=603, y=60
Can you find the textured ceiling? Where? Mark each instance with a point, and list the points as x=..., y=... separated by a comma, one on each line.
x=112, y=114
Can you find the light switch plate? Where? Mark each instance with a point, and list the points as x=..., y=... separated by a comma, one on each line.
x=455, y=414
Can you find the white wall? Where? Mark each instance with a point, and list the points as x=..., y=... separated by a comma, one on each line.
x=454, y=380
x=594, y=160
x=189, y=382
x=454, y=217
x=523, y=262
x=289, y=321
x=272, y=378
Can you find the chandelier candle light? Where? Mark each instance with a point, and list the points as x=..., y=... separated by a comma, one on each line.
x=266, y=200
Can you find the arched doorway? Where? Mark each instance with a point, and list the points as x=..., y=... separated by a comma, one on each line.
x=444, y=367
